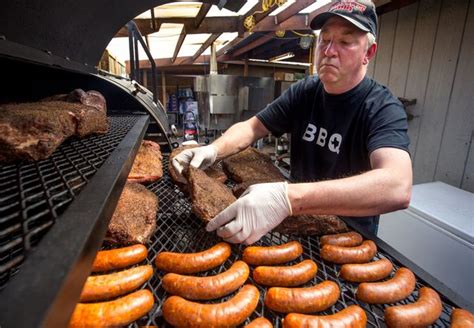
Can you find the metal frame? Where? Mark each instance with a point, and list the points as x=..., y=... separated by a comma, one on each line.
x=49, y=284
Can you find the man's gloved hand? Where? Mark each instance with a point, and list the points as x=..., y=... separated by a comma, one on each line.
x=199, y=157
x=260, y=209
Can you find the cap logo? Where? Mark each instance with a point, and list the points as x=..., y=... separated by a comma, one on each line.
x=348, y=6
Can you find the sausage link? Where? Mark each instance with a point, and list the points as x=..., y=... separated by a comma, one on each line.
x=99, y=288
x=119, y=258
x=182, y=313
x=351, y=317
x=285, y=276
x=119, y=312
x=390, y=291
x=424, y=312
x=366, y=272
x=303, y=300
x=345, y=239
x=260, y=323
x=461, y=318
x=271, y=255
x=186, y=263
x=342, y=255
x=207, y=288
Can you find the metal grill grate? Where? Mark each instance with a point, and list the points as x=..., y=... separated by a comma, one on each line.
x=180, y=231
x=34, y=195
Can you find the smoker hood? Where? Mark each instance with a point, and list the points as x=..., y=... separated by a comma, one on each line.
x=70, y=34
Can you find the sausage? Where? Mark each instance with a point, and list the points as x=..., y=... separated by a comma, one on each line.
x=424, y=312
x=260, y=323
x=285, y=276
x=357, y=254
x=182, y=313
x=119, y=312
x=303, y=300
x=119, y=258
x=462, y=319
x=390, y=291
x=207, y=288
x=271, y=255
x=366, y=272
x=351, y=317
x=186, y=263
x=98, y=288
x=345, y=239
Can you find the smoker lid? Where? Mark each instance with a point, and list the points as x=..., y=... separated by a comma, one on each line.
x=78, y=31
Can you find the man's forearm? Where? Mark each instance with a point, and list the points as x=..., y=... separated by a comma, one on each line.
x=239, y=136
x=372, y=193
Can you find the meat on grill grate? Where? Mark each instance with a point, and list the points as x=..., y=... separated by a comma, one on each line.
x=209, y=196
x=147, y=166
x=214, y=171
x=32, y=131
x=134, y=219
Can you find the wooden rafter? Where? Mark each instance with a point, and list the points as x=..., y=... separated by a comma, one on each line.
x=256, y=43
x=205, y=45
x=181, y=38
x=205, y=7
x=292, y=10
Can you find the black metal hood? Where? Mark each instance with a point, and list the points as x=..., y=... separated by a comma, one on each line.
x=65, y=31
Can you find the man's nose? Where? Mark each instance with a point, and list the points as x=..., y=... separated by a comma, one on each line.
x=330, y=50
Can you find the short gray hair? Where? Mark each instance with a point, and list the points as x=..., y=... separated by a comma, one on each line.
x=370, y=39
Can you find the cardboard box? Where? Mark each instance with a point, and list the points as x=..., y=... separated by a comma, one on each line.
x=283, y=76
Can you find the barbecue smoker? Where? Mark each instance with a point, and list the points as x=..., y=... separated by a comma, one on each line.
x=54, y=212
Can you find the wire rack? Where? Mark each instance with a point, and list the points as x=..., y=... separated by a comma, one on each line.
x=179, y=230
x=34, y=195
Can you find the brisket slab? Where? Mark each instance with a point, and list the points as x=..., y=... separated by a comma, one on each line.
x=309, y=225
x=33, y=131
x=214, y=171
x=209, y=196
x=134, y=219
x=147, y=166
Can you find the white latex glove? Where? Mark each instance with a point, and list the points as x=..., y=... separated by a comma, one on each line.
x=260, y=209
x=199, y=157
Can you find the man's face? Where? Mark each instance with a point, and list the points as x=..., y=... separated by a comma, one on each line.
x=341, y=52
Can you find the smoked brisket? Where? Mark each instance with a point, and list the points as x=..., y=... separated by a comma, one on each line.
x=134, y=219
x=33, y=131
x=147, y=166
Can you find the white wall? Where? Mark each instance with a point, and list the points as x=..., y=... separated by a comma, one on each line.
x=426, y=51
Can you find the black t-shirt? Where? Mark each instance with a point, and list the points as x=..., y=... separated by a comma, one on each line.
x=332, y=136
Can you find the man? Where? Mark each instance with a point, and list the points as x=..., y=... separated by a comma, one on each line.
x=348, y=133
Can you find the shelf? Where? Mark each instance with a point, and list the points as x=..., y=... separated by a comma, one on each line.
x=79, y=187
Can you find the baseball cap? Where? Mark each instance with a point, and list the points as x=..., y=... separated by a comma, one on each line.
x=361, y=13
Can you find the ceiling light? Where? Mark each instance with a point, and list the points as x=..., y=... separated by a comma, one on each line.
x=282, y=57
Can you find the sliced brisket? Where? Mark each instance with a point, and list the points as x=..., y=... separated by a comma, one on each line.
x=147, y=166
x=33, y=131
x=134, y=219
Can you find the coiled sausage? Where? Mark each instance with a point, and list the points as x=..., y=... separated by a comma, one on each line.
x=424, y=312
x=271, y=255
x=393, y=290
x=186, y=263
x=351, y=317
x=462, y=319
x=102, y=287
x=207, y=288
x=260, y=323
x=118, y=312
x=345, y=239
x=285, y=276
x=342, y=255
x=303, y=300
x=119, y=258
x=366, y=272
x=182, y=313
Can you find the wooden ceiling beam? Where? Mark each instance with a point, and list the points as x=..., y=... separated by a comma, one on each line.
x=205, y=7
x=254, y=44
x=205, y=45
x=292, y=10
x=181, y=38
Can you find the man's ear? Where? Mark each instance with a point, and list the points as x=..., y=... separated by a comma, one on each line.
x=370, y=53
